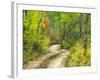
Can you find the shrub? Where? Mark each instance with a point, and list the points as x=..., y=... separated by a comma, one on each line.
x=41, y=44
x=77, y=57
x=67, y=44
x=34, y=46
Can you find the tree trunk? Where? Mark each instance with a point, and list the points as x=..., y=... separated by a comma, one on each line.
x=39, y=24
x=71, y=27
x=85, y=33
x=80, y=24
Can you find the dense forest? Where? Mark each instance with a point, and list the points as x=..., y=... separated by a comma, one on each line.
x=70, y=30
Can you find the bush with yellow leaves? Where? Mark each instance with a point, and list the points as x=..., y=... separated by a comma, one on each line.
x=77, y=57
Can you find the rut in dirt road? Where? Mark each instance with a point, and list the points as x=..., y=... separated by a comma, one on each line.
x=59, y=61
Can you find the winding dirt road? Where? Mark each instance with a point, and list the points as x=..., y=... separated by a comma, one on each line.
x=54, y=59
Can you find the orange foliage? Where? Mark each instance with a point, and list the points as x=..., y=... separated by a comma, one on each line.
x=45, y=22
